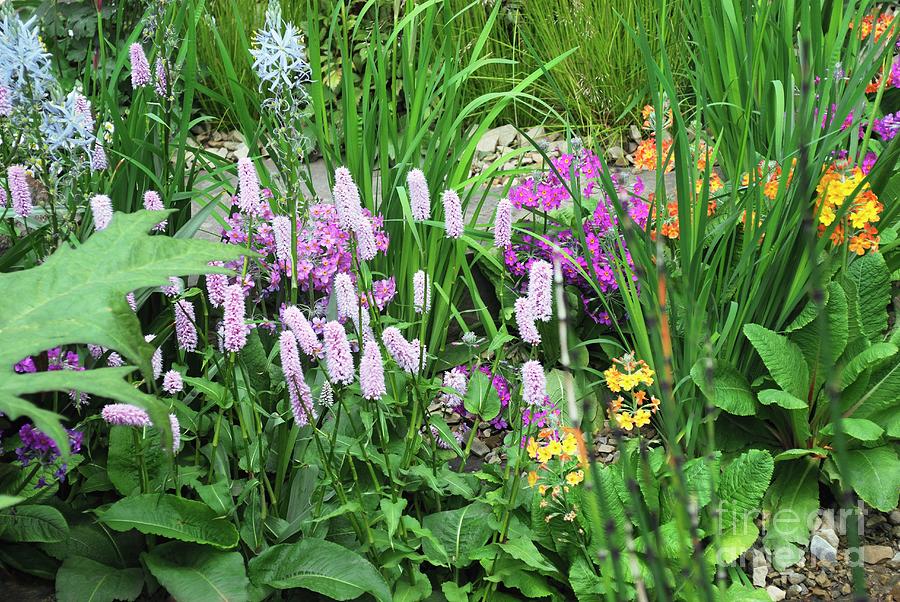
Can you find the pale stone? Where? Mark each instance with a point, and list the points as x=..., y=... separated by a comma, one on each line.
x=876, y=554
x=776, y=593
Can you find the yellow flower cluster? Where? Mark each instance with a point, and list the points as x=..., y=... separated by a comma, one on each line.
x=837, y=185
x=567, y=448
x=626, y=375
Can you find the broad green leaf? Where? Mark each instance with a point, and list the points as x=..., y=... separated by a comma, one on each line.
x=791, y=503
x=413, y=587
x=782, y=358
x=870, y=358
x=392, y=512
x=217, y=496
x=879, y=403
x=172, y=517
x=321, y=566
x=732, y=543
x=781, y=398
x=7, y=501
x=820, y=360
x=730, y=389
x=456, y=593
x=869, y=288
x=445, y=433
x=123, y=463
x=738, y=592
x=84, y=580
x=809, y=313
x=523, y=549
x=793, y=454
x=741, y=488
x=213, y=391
x=77, y=296
x=513, y=573
x=875, y=476
x=481, y=397
x=33, y=523
x=459, y=532
x=858, y=428
x=195, y=572
x=584, y=581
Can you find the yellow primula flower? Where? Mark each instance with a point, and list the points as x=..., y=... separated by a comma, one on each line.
x=826, y=215
x=542, y=489
x=544, y=455
x=613, y=379
x=570, y=444
x=625, y=421
x=641, y=418
x=532, y=448
x=575, y=477
x=532, y=478
x=554, y=447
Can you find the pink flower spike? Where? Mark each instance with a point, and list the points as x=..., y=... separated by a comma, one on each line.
x=156, y=360
x=503, y=224
x=371, y=372
x=421, y=292
x=540, y=289
x=456, y=380
x=281, y=227
x=298, y=391
x=408, y=354
x=366, y=246
x=338, y=358
x=152, y=202
x=125, y=414
x=346, y=297
x=248, y=186
x=160, y=72
x=419, y=197
x=215, y=285
x=346, y=198
x=233, y=319
x=453, y=218
x=132, y=302
x=2, y=197
x=101, y=207
x=140, y=68
x=172, y=382
x=294, y=319
x=185, y=325
x=5, y=102
x=525, y=321
x=176, y=432
x=19, y=190
x=98, y=159
x=534, y=383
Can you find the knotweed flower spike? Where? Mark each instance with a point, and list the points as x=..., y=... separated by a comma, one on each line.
x=453, y=218
x=281, y=228
x=160, y=80
x=185, y=325
x=409, y=355
x=233, y=320
x=344, y=292
x=5, y=102
x=132, y=302
x=98, y=159
x=101, y=207
x=294, y=319
x=172, y=382
x=173, y=289
x=366, y=245
x=140, y=68
x=152, y=202
x=525, y=321
x=176, y=432
x=2, y=197
x=421, y=292
x=371, y=372
x=19, y=190
x=338, y=359
x=346, y=198
x=326, y=395
x=248, y=186
x=156, y=360
x=419, y=197
x=458, y=381
x=503, y=224
x=125, y=414
x=215, y=286
x=534, y=383
x=540, y=290
x=298, y=391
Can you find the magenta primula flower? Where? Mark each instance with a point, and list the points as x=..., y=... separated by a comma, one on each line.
x=338, y=359
x=235, y=335
x=384, y=291
x=419, y=197
x=185, y=325
x=371, y=372
x=534, y=383
x=540, y=289
x=421, y=292
x=19, y=190
x=101, y=207
x=453, y=218
x=503, y=224
x=140, y=68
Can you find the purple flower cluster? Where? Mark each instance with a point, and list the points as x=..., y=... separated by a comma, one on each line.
x=887, y=127
x=57, y=359
x=38, y=447
x=547, y=192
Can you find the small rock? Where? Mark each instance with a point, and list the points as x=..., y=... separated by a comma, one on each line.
x=605, y=449
x=823, y=580
x=231, y=145
x=796, y=578
x=506, y=135
x=795, y=590
x=536, y=133
x=759, y=576
x=617, y=154
x=242, y=151
x=479, y=448
x=236, y=136
x=828, y=519
x=875, y=519
x=896, y=532
x=846, y=589
x=757, y=558
x=876, y=554
x=776, y=593
x=895, y=592
x=818, y=591
x=821, y=549
x=894, y=517
x=830, y=536
x=895, y=561
x=635, y=133
x=488, y=142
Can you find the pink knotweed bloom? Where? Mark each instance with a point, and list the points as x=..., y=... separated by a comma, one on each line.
x=421, y=292
x=98, y=158
x=338, y=359
x=233, y=318
x=101, y=207
x=132, y=302
x=156, y=361
x=294, y=319
x=176, y=432
x=5, y=102
x=248, y=186
x=114, y=360
x=160, y=81
x=2, y=197
x=185, y=325
x=409, y=355
x=83, y=108
x=172, y=382
x=534, y=383
x=326, y=395
x=140, y=68
x=540, y=290
x=281, y=228
x=345, y=296
x=95, y=350
x=453, y=218
x=19, y=190
x=503, y=224
x=215, y=285
x=298, y=391
x=346, y=198
x=456, y=380
x=366, y=246
x=174, y=287
x=125, y=414
x=419, y=197
x=152, y=202
x=525, y=321
x=371, y=372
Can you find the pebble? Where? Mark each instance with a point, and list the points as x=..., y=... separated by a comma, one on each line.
x=605, y=449
x=823, y=580
x=795, y=590
x=759, y=575
x=894, y=517
x=830, y=536
x=876, y=554
x=776, y=593
x=796, y=578
x=822, y=549
x=757, y=558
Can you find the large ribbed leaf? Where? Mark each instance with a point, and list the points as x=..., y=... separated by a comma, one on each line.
x=870, y=357
x=729, y=391
x=172, y=517
x=320, y=566
x=782, y=358
x=33, y=523
x=742, y=486
x=78, y=296
x=820, y=358
x=459, y=531
x=875, y=476
x=84, y=580
x=868, y=286
x=193, y=573
x=791, y=502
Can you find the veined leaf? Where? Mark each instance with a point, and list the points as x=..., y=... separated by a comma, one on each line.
x=194, y=572
x=869, y=288
x=173, y=517
x=791, y=503
x=84, y=580
x=858, y=428
x=730, y=390
x=742, y=486
x=822, y=360
x=33, y=523
x=782, y=358
x=870, y=358
x=782, y=399
x=875, y=475
x=481, y=397
x=459, y=531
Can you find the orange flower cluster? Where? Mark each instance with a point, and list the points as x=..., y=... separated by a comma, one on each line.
x=645, y=156
x=649, y=115
x=562, y=458
x=839, y=182
x=881, y=26
x=627, y=375
x=770, y=174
